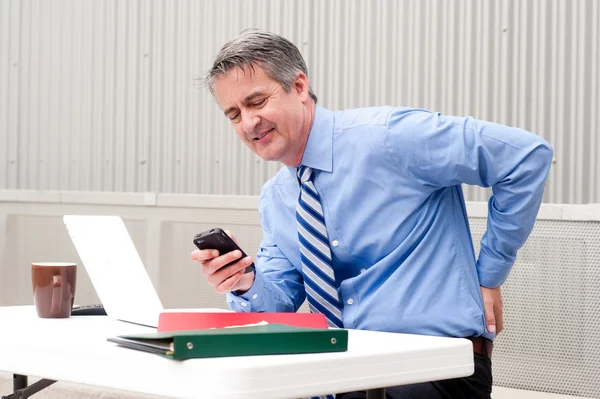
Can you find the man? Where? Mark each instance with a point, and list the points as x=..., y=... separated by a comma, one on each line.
x=367, y=221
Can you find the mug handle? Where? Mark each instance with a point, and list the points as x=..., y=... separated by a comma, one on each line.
x=56, y=294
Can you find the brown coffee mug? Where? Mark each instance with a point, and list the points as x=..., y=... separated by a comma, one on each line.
x=53, y=288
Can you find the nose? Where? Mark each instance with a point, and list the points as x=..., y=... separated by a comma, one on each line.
x=249, y=121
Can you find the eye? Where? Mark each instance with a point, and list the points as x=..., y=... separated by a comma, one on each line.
x=259, y=102
x=234, y=117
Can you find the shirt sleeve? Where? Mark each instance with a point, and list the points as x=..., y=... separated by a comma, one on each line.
x=278, y=285
x=441, y=151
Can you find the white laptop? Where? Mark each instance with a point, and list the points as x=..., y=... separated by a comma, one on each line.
x=115, y=268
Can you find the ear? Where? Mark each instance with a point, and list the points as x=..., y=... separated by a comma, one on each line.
x=300, y=86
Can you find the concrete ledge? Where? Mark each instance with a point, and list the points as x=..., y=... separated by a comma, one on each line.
x=130, y=199
x=583, y=212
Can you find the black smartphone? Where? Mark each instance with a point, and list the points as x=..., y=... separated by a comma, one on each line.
x=217, y=239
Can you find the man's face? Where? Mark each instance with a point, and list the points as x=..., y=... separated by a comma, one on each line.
x=272, y=122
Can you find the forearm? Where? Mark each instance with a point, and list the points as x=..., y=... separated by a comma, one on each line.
x=263, y=296
x=512, y=211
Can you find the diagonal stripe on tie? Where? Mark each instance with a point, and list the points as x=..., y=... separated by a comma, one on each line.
x=318, y=263
x=313, y=221
x=324, y=290
x=312, y=201
x=321, y=301
x=319, y=278
x=314, y=245
x=313, y=236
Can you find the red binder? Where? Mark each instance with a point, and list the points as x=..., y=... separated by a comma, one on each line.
x=179, y=321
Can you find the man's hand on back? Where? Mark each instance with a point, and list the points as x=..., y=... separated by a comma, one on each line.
x=492, y=307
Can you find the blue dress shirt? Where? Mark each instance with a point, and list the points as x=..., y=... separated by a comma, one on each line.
x=390, y=186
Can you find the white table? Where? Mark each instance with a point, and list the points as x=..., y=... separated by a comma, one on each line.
x=75, y=350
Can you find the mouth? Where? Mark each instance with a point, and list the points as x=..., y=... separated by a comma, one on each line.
x=263, y=135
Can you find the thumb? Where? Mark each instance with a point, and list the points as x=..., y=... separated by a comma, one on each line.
x=230, y=234
x=490, y=318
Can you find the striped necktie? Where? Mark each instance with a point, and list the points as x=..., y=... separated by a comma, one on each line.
x=319, y=279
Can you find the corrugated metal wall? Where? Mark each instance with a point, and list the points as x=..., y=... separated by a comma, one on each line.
x=101, y=95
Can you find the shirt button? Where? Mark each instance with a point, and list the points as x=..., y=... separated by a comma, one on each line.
x=254, y=296
x=244, y=304
x=334, y=243
x=363, y=270
x=350, y=301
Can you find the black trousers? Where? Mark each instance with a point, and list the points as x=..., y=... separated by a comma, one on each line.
x=476, y=386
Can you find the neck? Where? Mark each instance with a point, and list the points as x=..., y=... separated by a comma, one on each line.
x=307, y=123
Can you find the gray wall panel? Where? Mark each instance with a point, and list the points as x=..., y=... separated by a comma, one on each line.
x=103, y=95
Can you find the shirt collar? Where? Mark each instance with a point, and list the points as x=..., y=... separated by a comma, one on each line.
x=318, y=153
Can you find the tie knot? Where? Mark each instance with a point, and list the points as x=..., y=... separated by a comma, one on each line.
x=304, y=173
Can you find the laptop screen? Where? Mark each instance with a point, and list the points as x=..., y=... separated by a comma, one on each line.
x=115, y=268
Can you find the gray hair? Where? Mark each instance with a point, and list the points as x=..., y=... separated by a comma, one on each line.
x=278, y=57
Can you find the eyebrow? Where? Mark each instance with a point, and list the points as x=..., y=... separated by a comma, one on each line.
x=246, y=101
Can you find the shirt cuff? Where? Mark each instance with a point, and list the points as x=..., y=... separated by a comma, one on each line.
x=492, y=272
x=252, y=299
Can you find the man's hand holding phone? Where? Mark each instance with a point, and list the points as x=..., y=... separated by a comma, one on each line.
x=223, y=262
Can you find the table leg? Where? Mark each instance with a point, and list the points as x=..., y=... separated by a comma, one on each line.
x=23, y=391
x=19, y=382
x=377, y=393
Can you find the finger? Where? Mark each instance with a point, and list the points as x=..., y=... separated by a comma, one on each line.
x=200, y=255
x=228, y=284
x=230, y=234
x=223, y=273
x=207, y=269
x=490, y=319
x=217, y=263
x=499, y=320
x=218, y=278
x=499, y=326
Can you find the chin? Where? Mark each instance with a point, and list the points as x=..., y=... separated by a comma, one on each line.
x=269, y=154
x=269, y=157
